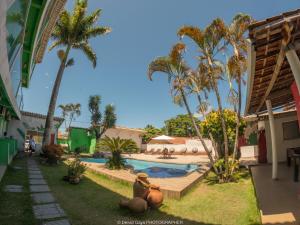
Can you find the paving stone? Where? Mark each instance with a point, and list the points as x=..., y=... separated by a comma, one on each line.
x=13, y=188
x=37, y=181
x=34, y=172
x=40, y=198
x=17, y=167
x=34, y=169
x=48, y=211
x=35, y=176
x=39, y=188
x=58, y=222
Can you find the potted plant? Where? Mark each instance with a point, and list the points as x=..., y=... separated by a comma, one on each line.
x=75, y=171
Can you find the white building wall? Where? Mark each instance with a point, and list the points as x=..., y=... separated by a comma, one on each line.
x=281, y=143
x=4, y=65
x=124, y=133
x=28, y=123
x=190, y=145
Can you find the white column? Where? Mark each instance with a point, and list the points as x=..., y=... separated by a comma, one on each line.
x=273, y=140
x=294, y=62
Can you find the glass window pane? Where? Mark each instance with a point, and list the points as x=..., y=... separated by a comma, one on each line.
x=15, y=20
x=15, y=74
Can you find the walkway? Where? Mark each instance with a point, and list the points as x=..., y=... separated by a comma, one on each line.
x=45, y=207
x=278, y=200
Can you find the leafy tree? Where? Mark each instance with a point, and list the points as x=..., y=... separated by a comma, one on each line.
x=151, y=132
x=69, y=113
x=117, y=146
x=178, y=71
x=209, y=42
x=100, y=124
x=212, y=124
x=237, y=62
x=180, y=126
x=72, y=31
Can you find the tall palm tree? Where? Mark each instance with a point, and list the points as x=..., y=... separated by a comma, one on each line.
x=72, y=31
x=236, y=64
x=209, y=42
x=177, y=71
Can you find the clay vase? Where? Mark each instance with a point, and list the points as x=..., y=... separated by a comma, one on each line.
x=155, y=197
x=135, y=205
x=139, y=190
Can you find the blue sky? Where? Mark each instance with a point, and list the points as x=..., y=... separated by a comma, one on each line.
x=141, y=31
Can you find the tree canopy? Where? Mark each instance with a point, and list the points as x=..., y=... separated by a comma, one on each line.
x=180, y=126
x=151, y=132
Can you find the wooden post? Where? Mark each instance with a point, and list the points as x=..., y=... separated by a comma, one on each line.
x=294, y=62
x=273, y=140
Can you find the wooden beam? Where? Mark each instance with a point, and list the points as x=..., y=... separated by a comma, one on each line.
x=280, y=59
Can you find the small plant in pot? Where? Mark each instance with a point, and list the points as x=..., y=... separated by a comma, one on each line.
x=75, y=171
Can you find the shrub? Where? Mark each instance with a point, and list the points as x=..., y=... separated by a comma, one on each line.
x=75, y=171
x=53, y=153
x=117, y=146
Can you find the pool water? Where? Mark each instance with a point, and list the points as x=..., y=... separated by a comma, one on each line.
x=153, y=169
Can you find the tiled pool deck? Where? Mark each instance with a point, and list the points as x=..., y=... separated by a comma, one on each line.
x=171, y=187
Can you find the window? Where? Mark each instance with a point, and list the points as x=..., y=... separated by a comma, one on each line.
x=290, y=130
x=15, y=74
x=15, y=21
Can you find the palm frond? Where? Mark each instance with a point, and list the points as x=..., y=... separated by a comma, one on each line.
x=88, y=51
x=160, y=64
x=192, y=32
x=97, y=31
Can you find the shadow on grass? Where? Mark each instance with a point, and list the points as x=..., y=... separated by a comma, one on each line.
x=94, y=202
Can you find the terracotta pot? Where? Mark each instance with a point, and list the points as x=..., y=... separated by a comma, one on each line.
x=135, y=205
x=155, y=197
x=74, y=180
x=139, y=190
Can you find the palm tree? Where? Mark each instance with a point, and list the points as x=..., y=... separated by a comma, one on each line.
x=209, y=42
x=236, y=64
x=98, y=124
x=117, y=146
x=72, y=31
x=177, y=72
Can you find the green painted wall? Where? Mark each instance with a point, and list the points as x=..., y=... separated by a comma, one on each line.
x=80, y=138
x=8, y=149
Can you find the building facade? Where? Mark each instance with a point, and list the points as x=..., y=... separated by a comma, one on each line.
x=82, y=137
x=25, y=27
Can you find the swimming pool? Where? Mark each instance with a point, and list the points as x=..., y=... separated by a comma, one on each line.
x=153, y=169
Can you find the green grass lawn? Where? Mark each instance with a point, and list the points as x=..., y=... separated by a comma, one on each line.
x=16, y=208
x=95, y=201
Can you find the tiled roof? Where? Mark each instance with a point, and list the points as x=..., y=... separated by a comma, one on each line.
x=41, y=116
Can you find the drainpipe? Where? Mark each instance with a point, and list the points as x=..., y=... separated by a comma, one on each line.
x=294, y=62
x=273, y=140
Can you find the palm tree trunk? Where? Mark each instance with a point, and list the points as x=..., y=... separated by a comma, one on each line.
x=226, y=151
x=209, y=133
x=52, y=104
x=238, y=116
x=198, y=131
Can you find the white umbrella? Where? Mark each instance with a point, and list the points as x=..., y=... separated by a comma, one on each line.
x=163, y=138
